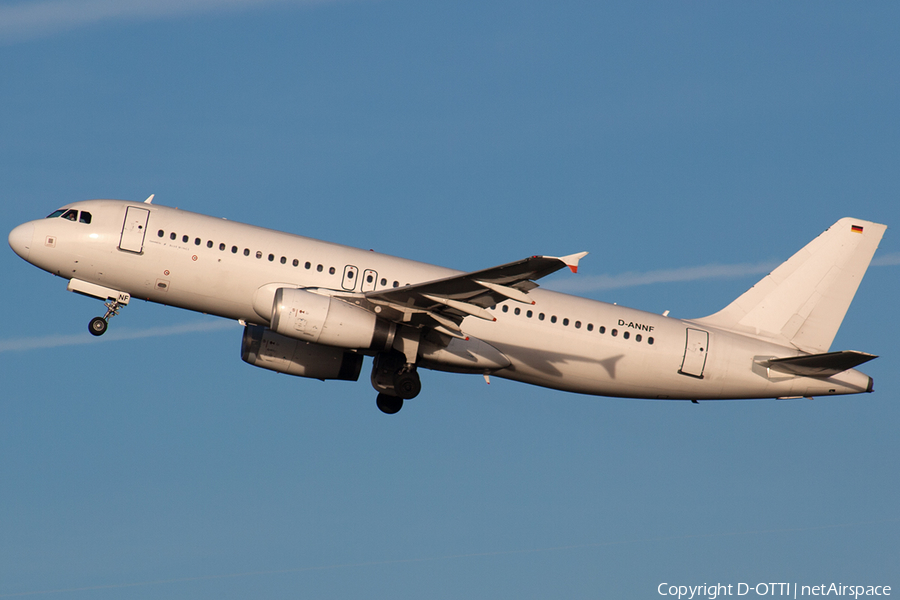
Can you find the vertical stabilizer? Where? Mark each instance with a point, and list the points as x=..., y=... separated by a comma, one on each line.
x=803, y=301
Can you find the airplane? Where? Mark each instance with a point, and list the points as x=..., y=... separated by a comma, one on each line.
x=315, y=309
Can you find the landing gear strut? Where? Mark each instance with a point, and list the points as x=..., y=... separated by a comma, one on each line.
x=98, y=325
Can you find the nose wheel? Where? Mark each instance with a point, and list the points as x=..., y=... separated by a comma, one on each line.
x=99, y=325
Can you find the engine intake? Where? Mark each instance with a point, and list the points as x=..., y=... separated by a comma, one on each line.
x=325, y=320
x=262, y=347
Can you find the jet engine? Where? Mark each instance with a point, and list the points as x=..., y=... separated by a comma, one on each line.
x=262, y=347
x=325, y=320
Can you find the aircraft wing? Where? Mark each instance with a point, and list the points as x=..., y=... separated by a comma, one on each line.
x=442, y=304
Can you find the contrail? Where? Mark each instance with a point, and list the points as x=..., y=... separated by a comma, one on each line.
x=886, y=260
x=27, y=20
x=592, y=283
x=449, y=557
x=56, y=341
x=633, y=279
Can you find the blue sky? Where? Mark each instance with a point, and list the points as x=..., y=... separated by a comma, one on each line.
x=688, y=146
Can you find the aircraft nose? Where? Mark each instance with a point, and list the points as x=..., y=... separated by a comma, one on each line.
x=20, y=239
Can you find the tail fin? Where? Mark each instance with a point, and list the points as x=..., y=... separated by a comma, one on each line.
x=803, y=301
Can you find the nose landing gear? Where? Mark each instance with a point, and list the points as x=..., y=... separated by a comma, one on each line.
x=98, y=325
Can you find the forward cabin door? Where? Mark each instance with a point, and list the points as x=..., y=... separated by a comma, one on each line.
x=695, y=349
x=133, y=229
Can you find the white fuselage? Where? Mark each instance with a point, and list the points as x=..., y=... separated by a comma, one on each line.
x=225, y=268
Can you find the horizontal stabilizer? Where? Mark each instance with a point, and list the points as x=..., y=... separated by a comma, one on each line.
x=820, y=365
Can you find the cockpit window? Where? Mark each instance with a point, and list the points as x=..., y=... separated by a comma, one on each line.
x=71, y=215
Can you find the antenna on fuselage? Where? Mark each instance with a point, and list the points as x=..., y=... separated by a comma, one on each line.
x=149, y=200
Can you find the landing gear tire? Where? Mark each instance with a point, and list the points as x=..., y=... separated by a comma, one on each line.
x=98, y=326
x=407, y=384
x=389, y=405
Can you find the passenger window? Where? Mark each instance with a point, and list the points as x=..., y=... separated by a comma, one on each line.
x=246, y=251
x=615, y=332
x=565, y=322
x=71, y=215
x=626, y=335
x=56, y=213
x=234, y=249
x=650, y=341
x=161, y=233
x=528, y=314
x=553, y=319
x=637, y=338
x=259, y=254
x=296, y=263
x=331, y=271
x=222, y=247
x=590, y=327
x=209, y=243
x=271, y=257
x=85, y=217
x=505, y=308
x=172, y=236
x=518, y=311
x=541, y=317
x=577, y=324
x=185, y=239
x=283, y=260
x=319, y=268
x=383, y=281
x=602, y=329
x=396, y=284
x=196, y=241
x=307, y=265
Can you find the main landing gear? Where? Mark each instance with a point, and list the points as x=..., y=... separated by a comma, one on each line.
x=98, y=325
x=395, y=380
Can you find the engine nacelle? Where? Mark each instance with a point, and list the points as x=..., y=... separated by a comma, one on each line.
x=262, y=347
x=325, y=320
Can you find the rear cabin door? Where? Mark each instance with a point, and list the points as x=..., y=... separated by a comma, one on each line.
x=133, y=229
x=695, y=353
